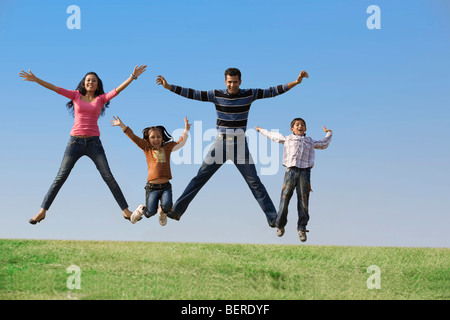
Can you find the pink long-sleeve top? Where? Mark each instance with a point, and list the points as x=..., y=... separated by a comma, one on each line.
x=86, y=113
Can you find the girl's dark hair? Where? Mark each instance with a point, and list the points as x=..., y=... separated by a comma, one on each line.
x=82, y=89
x=165, y=135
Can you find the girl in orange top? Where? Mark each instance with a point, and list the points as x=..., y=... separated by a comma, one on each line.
x=157, y=146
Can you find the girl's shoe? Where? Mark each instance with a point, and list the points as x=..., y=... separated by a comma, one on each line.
x=32, y=221
x=162, y=217
x=137, y=214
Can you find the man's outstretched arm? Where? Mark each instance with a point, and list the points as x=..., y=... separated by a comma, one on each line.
x=186, y=92
x=280, y=89
x=302, y=75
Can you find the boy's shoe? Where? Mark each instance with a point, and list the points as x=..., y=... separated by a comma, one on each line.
x=280, y=232
x=302, y=235
x=137, y=214
x=162, y=217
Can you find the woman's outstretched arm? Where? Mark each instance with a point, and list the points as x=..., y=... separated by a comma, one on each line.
x=136, y=73
x=31, y=77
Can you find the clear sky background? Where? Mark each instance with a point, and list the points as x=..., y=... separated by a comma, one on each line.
x=385, y=93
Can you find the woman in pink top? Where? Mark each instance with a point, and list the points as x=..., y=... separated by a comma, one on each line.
x=88, y=101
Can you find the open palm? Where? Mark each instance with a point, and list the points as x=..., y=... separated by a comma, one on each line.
x=139, y=70
x=28, y=76
x=116, y=121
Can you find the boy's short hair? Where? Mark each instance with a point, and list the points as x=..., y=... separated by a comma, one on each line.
x=297, y=119
x=233, y=72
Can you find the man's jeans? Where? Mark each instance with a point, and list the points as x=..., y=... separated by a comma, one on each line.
x=154, y=193
x=299, y=179
x=76, y=148
x=227, y=147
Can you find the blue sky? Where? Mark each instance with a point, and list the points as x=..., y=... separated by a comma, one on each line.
x=383, y=181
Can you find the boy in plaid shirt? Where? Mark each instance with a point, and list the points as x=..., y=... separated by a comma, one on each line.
x=298, y=158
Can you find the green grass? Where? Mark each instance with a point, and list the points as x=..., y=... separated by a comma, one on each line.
x=36, y=269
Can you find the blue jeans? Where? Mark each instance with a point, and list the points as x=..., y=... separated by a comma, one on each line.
x=76, y=148
x=299, y=179
x=225, y=148
x=153, y=194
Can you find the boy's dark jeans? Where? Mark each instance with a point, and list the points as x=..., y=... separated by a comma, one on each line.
x=299, y=179
x=76, y=148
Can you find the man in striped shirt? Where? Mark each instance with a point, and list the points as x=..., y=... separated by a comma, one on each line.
x=232, y=107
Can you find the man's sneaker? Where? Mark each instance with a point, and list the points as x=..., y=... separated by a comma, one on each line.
x=280, y=232
x=137, y=214
x=162, y=217
x=173, y=215
x=302, y=235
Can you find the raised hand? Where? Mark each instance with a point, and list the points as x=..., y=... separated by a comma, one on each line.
x=116, y=122
x=28, y=76
x=187, y=125
x=325, y=129
x=139, y=70
x=160, y=80
x=302, y=75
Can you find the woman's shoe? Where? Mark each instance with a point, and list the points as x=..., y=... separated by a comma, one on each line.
x=32, y=221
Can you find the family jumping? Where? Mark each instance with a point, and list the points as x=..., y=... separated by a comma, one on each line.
x=232, y=104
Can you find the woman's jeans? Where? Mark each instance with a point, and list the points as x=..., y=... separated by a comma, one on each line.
x=225, y=148
x=153, y=194
x=76, y=148
x=299, y=179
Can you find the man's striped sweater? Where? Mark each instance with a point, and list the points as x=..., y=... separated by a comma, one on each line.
x=232, y=109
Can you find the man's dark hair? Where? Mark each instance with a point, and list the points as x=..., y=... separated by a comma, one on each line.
x=233, y=72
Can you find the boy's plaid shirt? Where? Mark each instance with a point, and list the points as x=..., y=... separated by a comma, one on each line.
x=298, y=150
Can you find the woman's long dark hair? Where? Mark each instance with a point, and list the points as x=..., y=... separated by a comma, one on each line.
x=82, y=89
x=165, y=135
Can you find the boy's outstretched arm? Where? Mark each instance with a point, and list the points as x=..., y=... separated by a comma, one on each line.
x=274, y=136
x=326, y=130
x=323, y=144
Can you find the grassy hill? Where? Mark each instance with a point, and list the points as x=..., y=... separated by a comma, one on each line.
x=37, y=269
